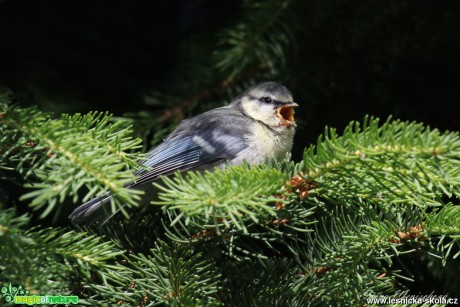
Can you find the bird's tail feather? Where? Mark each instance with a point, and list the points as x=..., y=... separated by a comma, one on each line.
x=96, y=210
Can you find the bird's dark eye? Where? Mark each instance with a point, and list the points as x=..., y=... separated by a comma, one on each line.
x=267, y=99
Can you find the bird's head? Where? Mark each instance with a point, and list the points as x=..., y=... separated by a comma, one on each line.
x=270, y=103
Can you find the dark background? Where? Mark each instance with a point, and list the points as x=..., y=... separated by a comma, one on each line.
x=155, y=61
x=346, y=59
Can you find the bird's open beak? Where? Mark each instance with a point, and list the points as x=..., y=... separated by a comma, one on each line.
x=286, y=114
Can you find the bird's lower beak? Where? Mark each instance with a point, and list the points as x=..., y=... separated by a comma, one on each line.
x=286, y=114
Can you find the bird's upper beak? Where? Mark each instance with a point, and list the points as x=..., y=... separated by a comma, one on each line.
x=286, y=114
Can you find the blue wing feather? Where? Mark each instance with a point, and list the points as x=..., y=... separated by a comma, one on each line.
x=223, y=138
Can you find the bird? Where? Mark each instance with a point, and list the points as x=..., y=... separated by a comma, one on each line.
x=256, y=125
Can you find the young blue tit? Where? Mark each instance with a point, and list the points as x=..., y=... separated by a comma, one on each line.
x=257, y=124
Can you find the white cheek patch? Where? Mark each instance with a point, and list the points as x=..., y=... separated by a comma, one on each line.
x=265, y=114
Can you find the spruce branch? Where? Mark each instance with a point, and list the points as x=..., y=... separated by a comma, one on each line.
x=445, y=221
x=375, y=186
x=258, y=39
x=443, y=225
x=395, y=163
x=47, y=259
x=352, y=255
x=227, y=198
x=261, y=283
x=60, y=156
x=169, y=274
x=76, y=246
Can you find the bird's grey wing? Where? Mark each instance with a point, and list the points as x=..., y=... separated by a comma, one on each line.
x=200, y=144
